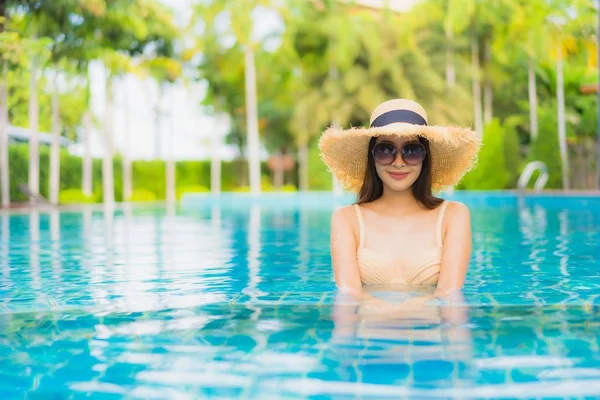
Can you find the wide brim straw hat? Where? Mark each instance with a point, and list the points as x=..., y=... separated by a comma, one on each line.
x=453, y=150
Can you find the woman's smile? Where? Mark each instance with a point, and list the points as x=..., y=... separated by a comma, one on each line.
x=398, y=175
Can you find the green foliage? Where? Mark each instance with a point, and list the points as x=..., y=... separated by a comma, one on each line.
x=332, y=63
x=491, y=172
x=319, y=177
x=74, y=196
x=546, y=147
x=513, y=159
x=289, y=188
x=140, y=195
x=191, y=189
x=148, y=176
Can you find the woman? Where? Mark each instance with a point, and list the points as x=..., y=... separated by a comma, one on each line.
x=398, y=232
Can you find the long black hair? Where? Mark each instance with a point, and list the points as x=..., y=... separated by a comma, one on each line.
x=372, y=187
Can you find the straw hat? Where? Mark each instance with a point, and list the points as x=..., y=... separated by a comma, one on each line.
x=453, y=149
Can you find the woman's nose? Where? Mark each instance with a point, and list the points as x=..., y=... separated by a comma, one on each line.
x=398, y=161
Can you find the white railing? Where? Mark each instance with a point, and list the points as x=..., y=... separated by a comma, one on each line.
x=528, y=172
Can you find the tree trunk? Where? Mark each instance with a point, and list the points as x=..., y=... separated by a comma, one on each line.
x=303, y=166
x=338, y=190
x=562, y=125
x=127, y=185
x=4, y=174
x=533, y=117
x=170, y=178
x=476, y=84
x=87, y=156
x=487, y=90
x=450, y=71
x=55, y=147
x=252, y=122
x=157, y=121
x=107, y=162
x=215, y=165
x=170, y=170
x=278, y=173
x=34, y=117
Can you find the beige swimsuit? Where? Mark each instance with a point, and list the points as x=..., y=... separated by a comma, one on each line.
x=414, y=268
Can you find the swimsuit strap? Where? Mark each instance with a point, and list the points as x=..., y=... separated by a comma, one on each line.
x=439, y=223
x=361, y=225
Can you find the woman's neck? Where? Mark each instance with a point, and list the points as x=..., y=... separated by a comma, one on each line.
x=399, y=203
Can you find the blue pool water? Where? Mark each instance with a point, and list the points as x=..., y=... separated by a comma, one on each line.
x=234, y=297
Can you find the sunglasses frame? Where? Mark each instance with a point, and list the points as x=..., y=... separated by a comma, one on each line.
x=401, y=151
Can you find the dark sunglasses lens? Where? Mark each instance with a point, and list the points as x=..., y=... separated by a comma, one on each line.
x=413, y=153
x=384, y=153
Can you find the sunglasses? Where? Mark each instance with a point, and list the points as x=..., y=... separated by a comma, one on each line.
x=413, y=153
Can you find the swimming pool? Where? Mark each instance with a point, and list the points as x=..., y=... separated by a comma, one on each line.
x=233, y=297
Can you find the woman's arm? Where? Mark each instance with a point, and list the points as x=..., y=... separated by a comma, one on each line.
x=457, y=249
x=343, y=254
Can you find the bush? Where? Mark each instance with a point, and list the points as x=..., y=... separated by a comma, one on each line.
x=513, y=160
x=191, y=176
x=138, y=195
x=491, y=172
x=289, y=188
x=546, y=147
x=74, y=196
x=191, y=189
x=319, y=178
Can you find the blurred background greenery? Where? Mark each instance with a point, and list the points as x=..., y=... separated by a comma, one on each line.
x=514, y=70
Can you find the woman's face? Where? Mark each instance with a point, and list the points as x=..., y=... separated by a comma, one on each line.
x=398, y=175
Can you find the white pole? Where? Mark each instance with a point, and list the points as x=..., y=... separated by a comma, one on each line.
x=127, y=186
x=4, y=175
x=252, y=122
x=562, y=125
x=107, y=161
x=170, y=170
x=55, y=146
x=532, y=99
x=34, y=117
x=215, y=161
x=87, y=157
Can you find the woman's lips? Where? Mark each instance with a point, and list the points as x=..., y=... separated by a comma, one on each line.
x=398, y=175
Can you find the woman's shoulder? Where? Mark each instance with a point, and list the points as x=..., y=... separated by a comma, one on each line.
x=456, y=209
x=344, y=212
x=344, y=221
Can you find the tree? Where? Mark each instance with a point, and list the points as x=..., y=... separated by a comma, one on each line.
x=166, y=71
x=241, y=29
x=127, y=30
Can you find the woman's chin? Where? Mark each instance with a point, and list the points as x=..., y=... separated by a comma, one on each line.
x=396, y=186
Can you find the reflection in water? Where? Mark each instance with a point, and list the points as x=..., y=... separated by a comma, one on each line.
x=304, y=256
x=215, y=218
x=532, y=226
x=254, y=245
x=395, y=334
x=5, y=245
x=562, y=249
x=55, y=243
x=34, y=252
x=446, y=351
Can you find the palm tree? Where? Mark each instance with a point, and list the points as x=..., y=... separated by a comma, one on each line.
x=166, y=71
x=4, y=177
x=120, y=33
x=242, y=27
x=529, y=21
x=34, y=117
